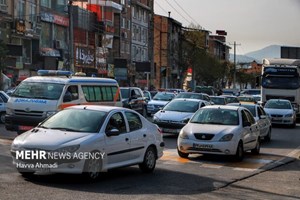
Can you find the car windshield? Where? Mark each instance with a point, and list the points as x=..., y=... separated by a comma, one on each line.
x=231, y=100
x=278, y=105
x=76, y=120
x=125, y=93
x=246, y=99
x=164, y=96
x=189, y=96
x=38, y=90
x=182, y=106
x=216, y=116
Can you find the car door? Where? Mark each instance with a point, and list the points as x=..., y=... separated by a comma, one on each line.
x=138, y=135
x=253, y=131
x=117, y=146
x=264, y=122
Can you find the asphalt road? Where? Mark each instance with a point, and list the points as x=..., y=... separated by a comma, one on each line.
x=199, y=177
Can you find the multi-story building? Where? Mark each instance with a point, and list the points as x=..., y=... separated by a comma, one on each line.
x=217, y=46
x=167, y=34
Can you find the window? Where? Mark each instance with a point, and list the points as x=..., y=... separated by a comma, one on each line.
x=46, y=3
x=21, y=9
x=72, y=92
x=32, y=12
x=128, y=24
x=123, y=2
x=116, y=121
x=134, y=121
x=123, y=22
x=100, y=93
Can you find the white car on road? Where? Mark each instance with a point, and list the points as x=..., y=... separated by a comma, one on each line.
x=223, y=130
x=89, y=140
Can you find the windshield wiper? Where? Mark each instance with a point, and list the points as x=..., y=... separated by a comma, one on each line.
x=41, y=126
x=65, y=129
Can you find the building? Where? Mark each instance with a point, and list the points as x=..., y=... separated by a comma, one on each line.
x=167, y=34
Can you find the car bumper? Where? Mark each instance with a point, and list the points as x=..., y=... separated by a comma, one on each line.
x=21, y=123
x=203, y=147
x=283, y=120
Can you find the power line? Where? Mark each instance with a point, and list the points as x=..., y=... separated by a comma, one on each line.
x=177, y=12
x=160, y=6
x=187, y=13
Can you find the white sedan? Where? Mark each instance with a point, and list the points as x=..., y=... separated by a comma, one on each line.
x=223, y=130
x=89, y=140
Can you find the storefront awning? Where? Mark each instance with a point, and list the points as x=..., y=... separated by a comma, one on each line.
x=49, y=52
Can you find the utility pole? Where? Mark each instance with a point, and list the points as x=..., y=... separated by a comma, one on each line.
x=71, y=37
x=234, y=60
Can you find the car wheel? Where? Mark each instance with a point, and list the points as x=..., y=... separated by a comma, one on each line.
x=149, y=161
x=92, y=169
x=268, y=136
x=257, y=148
x=2, y=117
x=293, y=125
x=239, y=155
x=181, y=154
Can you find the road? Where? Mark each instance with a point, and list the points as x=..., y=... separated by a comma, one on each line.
x=199, y=177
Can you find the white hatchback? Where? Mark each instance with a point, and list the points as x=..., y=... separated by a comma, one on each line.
x=223, y=130
x=88, y=139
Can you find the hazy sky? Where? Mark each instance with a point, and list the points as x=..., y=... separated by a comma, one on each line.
x=254, y=24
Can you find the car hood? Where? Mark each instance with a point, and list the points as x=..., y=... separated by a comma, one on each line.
x=192, y=128
x=278, y=111
x=49, y=139
x=157, y=102
x=173, y=115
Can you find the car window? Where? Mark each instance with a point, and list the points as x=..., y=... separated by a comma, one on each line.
x=182, y=106
x=3, y=98
x=137, y=93
x=116, y=121
x=134, y=121
x=250, y=117
x=259, y=111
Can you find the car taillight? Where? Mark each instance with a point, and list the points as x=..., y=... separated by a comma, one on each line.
x=159, y=130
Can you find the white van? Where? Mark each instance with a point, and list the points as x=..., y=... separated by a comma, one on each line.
x=38, y=97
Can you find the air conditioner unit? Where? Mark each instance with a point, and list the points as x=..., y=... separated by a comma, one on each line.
x=3, y=8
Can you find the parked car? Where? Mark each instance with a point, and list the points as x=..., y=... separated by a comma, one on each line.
x=230, y=98
x=121, y=135
x=3, y=100
x=193, y=95
x=177, y=113
x=218, y=100
x=133, y=98
x=281, y=111
x=260, y=116
x=159, y=101
x=222, y=130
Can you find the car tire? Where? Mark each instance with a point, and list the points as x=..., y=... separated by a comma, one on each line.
x=2, y=117
x=92, y=168
x=149, y=162
x=257, y=148
x=294, y=124
x=239, y=155
x=267, y=138
x=182, y=155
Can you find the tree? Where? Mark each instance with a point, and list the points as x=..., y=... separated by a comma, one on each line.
x=3, y=52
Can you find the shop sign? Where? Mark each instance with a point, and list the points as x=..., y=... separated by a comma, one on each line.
x=85, y=56
x=57, y=19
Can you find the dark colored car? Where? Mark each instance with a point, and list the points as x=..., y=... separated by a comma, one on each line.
x=133, y=98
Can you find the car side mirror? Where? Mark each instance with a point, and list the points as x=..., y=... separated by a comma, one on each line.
x=113, y=132
x=245, y=124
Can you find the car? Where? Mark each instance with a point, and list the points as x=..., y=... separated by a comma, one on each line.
x=246, y=98
x=220, y=130
x=159, y=101
x=218, y=100
x=260, y=116
x=281, y=111
x=250, y=92
x=147, y=96
x=3, y=100
x=177, y=113
x=133, y=98
x=121, y=136
x=230, y=98
x=193, y=95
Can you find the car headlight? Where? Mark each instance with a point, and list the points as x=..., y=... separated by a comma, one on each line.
x=183, y=135
x=289, y=115
x=68, y=149
x=49, y=113
x=9, y=111
x=226, y=137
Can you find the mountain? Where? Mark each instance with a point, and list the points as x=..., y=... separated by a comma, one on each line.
x=272, y=51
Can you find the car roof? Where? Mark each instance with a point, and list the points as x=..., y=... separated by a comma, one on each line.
x=242, y=103
x=188, y=99
x=103, y=108
x=228, y=107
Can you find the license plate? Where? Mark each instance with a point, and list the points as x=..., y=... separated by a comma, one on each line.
x=167, y=130
x=203, y=146
x=25, y=128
